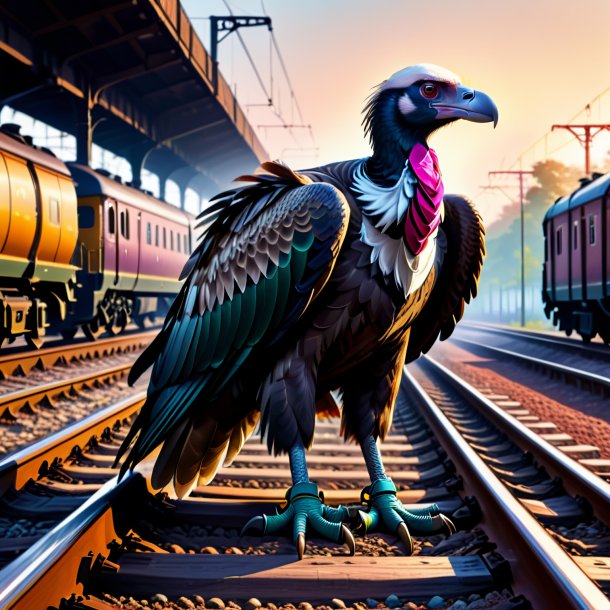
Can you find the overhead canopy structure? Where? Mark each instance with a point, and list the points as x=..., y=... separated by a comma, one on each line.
x=134, y=76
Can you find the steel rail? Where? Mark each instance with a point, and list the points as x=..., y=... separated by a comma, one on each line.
x=25, y=360
x=17, y=468
x=577, y=479
x=50, y=564
x=559, y=581
x=13, y=402
x=564, y=342
x=596, y=380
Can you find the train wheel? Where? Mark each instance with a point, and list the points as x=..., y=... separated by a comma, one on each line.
x=117, y=323
x=92, y=329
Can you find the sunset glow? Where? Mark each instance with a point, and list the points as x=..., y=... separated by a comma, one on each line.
x=536, y=60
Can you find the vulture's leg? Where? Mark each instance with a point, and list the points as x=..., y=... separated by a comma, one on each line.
x=304, y=507
x=385, y=508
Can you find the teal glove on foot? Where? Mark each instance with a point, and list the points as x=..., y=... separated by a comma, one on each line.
x=385, y=509
x=305, y=507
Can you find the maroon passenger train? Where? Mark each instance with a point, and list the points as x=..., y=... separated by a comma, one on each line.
x=79, y=248
x=575, y=277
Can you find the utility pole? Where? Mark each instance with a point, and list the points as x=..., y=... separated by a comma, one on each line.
x=585, y=137
x=520, y=173
x=229, y=24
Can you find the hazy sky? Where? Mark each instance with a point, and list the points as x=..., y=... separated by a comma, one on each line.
x=541, y=61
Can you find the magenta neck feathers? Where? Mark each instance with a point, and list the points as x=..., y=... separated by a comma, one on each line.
x=424, y=213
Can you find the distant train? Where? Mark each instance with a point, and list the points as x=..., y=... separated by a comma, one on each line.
x=576, y=269
x=79, y=248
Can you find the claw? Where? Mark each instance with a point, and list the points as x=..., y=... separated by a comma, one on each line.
x=256, y=525
x=403, y=533
x=300, y=545
x=348, y=538
x=449, y=525
x=364, y=522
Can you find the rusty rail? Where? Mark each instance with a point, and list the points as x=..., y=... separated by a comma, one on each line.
x=23, y=361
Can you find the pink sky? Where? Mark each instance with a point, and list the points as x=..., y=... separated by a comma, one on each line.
x=541, y=61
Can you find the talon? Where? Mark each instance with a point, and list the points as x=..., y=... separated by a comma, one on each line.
x=256, y=525
x=403, y=533
x=301, y=545
x=448, y=524
x=348, y=539
x=364, y=522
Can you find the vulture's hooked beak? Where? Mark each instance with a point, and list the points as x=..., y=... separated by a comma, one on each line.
x=468, y=104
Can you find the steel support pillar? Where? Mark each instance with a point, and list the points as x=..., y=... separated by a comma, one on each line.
x=84, y=133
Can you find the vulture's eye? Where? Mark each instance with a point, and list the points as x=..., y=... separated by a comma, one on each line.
x=429, y=90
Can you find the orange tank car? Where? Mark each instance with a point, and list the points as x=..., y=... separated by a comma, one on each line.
x=38, y=234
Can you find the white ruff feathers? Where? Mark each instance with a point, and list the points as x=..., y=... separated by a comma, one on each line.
x=390, y=202
x=409, y=271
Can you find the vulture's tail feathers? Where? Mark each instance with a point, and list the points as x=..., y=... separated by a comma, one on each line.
x=240, y=434
x=158, y=418
x=214, y=456
x=165, y=465
x=198, y=442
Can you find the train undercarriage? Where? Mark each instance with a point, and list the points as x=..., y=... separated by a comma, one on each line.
x=587, y=318
x=31, y=314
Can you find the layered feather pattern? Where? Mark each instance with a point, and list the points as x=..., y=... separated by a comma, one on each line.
x=267, y=251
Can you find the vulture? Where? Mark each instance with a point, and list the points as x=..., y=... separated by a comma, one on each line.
x=312, y=284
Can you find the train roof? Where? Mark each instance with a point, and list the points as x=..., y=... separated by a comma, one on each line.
x=33, y=154
x=89, y=183
x=594, y=190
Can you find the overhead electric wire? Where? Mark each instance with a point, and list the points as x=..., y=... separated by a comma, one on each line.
x=269, y=93
x=544, y=137
x=250, y=58
x=293, y=96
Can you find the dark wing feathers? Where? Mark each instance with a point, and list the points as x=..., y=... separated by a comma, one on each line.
x=458, y=278
x=267, y=251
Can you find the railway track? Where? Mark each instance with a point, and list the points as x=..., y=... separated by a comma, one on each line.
x=45, y=482
x=581, y=365
x=21, y=361
x=557, y=341
x=45, y=401
x=560, y=493
x=125, y=542
x=11, y=403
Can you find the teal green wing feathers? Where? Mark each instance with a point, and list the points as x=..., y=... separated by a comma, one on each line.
x=266, y=253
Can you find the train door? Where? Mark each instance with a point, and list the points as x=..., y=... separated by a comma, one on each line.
x=127, y=248
x=111, y=244
x=138, y=247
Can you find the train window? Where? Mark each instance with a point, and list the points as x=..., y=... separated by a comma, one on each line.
x=148, y=233
x=86, y=217
x=575, y=235
x=157, y=235
x=164, y=237
x=592, y=230
x=54, y=211
x=178, y=241
x=186, y=249
x=124, y=219
x=111, y=221
x=558, y=240
x=171, y=240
